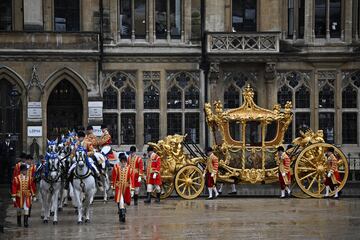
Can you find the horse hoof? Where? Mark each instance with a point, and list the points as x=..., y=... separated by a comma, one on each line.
x=52, y=214
x=45, y=221
x=79, y=222
x=42, y=217
x=60, y=209
x=55, y=223
x=65, y=204
x=87, y=220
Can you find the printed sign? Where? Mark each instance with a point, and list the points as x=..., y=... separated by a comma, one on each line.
x=97, y=131
x=34, y=110
x=34, y=131
x=95, y=109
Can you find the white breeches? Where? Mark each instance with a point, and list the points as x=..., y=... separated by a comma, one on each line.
x=25, y=207
x=121, y=203
x=150, y=188
x=136, y=191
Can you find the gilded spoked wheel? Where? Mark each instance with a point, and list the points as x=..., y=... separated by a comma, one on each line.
x=189, y=182
x=311, y=169
x=166, y=189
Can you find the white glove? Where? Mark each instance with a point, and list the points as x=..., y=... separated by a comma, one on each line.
x=139, y=179
x=154, y=176
x=283, y=174
x=13, y=199
x=329, y=174
x=204, y=174
x=34, y=199
x=213, y=174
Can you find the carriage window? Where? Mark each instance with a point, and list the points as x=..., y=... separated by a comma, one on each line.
x=253, y=133
x=192, y=126
x=128, y=98
x=151, y=98
x=271, y=131
x=110, y=98
x=151, y=127
x=235, y=131
x=174, y=123
x=128, y=130
x=111, y=121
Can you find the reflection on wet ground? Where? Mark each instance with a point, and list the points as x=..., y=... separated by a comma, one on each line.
x=231, y=218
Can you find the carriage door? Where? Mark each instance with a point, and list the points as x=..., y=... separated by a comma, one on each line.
x=64, y=110
x=10, y=114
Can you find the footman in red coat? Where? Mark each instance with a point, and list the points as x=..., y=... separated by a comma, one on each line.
x=121, y=184
x=153, y=178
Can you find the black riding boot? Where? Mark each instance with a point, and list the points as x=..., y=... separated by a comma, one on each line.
x=19, y=220
x=29, y=212
x=136, y=199
x=158, y=197
x=148, y=198
x=26, y=224
x=122, y=215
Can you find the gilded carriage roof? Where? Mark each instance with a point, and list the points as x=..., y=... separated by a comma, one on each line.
x=249, y=111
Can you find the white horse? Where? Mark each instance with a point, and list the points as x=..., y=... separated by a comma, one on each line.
x=50, y=185
x=83, y=182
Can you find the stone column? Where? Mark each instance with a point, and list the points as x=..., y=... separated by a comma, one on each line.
x=347, y=30
x=139, y=138
x=163, y=104
x=186, y=23
x=309, y=22
x=213, y=83
x=202, y=103
x=33, y=15
x=270, y=85
x=114, y=12
x=337, y=105
x=228, y=16
x=18, y=15
x=314, y=93
x=48, y=16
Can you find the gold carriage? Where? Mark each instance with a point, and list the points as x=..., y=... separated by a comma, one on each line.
x=246, y=140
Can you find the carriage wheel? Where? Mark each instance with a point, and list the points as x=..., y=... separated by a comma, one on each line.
x=166, y=189
x=311, y=169
x=189, y=182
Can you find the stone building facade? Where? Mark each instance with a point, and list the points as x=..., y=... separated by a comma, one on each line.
x=146, y=67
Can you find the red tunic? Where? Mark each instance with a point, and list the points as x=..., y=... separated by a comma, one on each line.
x=136, y=166
x=121, y=182
x=31, y=170
x=284, y=167
x=105, y=139
x=332, y=165
x=153, y=166
x=23, y=188
x=212, y=166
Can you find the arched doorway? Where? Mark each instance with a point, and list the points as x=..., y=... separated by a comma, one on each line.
x=10, y=113
x=64, y=109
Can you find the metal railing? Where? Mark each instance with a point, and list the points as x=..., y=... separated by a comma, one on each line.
x=354, y=167
x=259, y=42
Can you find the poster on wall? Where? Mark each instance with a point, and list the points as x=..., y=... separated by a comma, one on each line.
x=95, y=109
x=34, y=131
x=34, y=110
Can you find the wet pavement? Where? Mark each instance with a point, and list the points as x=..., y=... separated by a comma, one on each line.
x=223, y=218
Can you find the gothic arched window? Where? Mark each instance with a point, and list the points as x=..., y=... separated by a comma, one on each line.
x=110, y=98
x=128, y=98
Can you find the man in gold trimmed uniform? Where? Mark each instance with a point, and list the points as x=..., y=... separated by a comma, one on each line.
x=90, y=137
x=284, y=171
x=136, y=165
x=121, y=184
x=211, y=172
x=105, y=138
x=22, y=191
x=332, y=179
